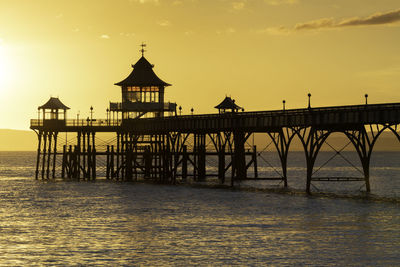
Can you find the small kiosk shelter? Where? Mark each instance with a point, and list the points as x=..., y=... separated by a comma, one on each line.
x=227, y=104
x=53, y=111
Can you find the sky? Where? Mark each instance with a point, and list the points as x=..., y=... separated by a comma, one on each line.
x=259, y=52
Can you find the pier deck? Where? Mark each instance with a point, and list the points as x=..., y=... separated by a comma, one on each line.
x=162, y=148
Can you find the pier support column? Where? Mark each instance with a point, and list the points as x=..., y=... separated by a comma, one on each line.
x=128, y=157
x=239, y=157
x=201, y=153
x=108, y=162
x=50, y=136
x=44, y=153
x=254, y=160
x=85, y=151
x=112, y=171
x=312, y=140
x=93, y=170
x=118, y=151
x=184, y=163
x=64, y=161
x=39, y=135
x=282, y=140
x=364, y=142
x=54, y=155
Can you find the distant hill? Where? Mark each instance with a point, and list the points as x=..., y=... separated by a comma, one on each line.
x=19, y=140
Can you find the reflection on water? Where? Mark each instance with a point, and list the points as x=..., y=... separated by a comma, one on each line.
x=110, y=223
x=120, y=223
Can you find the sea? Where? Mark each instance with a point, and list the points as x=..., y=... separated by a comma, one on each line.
x=256, y=223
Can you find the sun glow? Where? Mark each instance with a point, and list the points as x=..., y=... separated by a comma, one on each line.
x=6, y=69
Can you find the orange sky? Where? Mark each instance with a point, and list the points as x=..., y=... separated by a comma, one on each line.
x=258, y=51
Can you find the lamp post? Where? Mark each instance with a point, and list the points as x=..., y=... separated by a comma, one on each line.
x=191, y=110
x=91, y=115
x=284, y=102
x=180, y=110
x=108, y=116
x=366, y=99
x=309, y=100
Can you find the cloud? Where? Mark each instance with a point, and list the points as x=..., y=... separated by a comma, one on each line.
x=189, y=33
x=104, y=36
x=230, y=30
x=164, y=23
x=127, y=34
x=281, y=30
x=380, y=18
x=281, y=2
x=238, y=5
x=145, y=1
x=227, y=31
x=390, y=71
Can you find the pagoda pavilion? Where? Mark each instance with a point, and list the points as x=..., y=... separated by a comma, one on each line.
x=142, y=93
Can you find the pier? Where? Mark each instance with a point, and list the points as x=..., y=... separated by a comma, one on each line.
x=153, y=141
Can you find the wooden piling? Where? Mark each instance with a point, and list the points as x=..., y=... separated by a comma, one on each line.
x=38, y=155
x=44, y=153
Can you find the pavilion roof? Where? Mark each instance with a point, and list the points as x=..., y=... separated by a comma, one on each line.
x=228, y=103
x=142, y=75
x=54, y=103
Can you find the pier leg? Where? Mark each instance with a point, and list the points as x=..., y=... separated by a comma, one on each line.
x=84, y=155
x=364, y=145
x=78, y=151
x=38, y=155
x=44, y=153
x=118, y=151
x=93, y=157
x=147, y=162
x=201, y=157
x=195, y=156
x=54, y=156
x=112, y=163
x=76, y=163
x=128, y=158
x=254, y=156
x=282, y=141
x=89, y=162
x=239, y=159
x=64, y=160
x=184, y=163
x=108, y=163
x=312, y=140
x=49, y=156
x=70, y=163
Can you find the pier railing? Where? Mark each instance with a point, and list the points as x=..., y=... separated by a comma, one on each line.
x=76, y=123
x=338, y=116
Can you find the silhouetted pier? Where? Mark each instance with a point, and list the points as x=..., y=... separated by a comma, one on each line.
x=173, y=148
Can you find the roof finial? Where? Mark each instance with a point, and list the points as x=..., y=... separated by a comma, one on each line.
x=143, y=45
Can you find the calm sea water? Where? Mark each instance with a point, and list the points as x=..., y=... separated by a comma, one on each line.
x=115, y=223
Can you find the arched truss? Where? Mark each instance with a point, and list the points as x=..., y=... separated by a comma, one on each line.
x=282, y=140
x=363, y=138
x=364, y=142
x=312, y=140
x=222, y=142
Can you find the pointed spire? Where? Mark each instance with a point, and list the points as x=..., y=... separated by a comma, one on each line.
x=143, y=45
